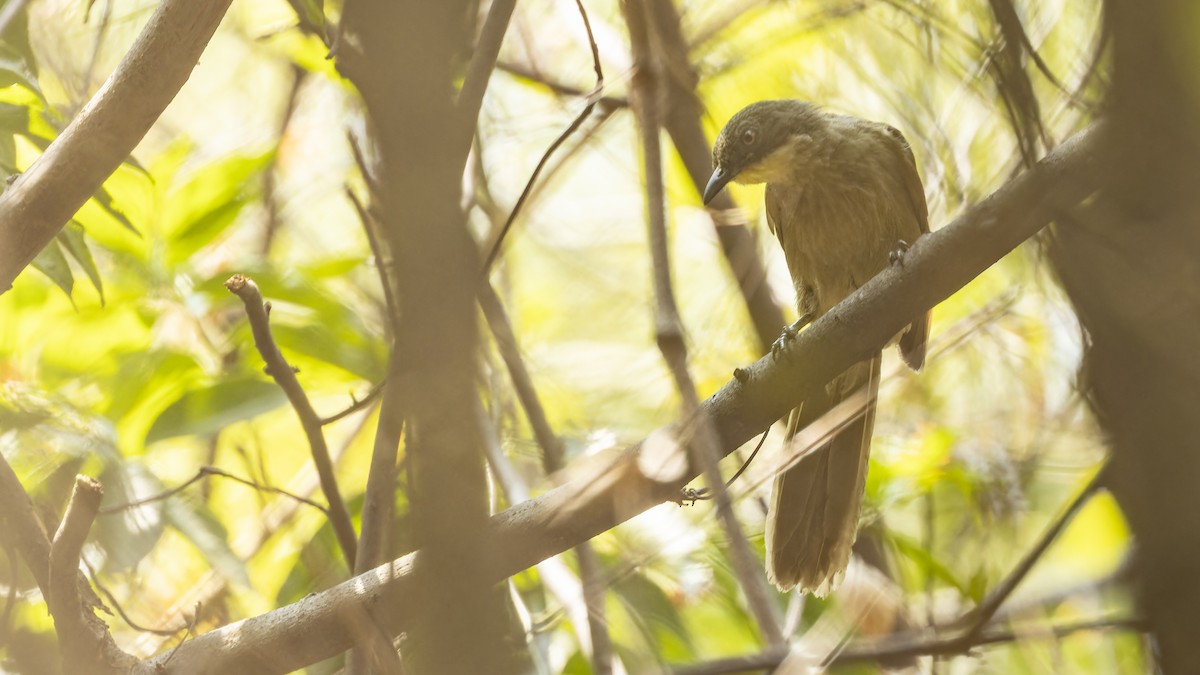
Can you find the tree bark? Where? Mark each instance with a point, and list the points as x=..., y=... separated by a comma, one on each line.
x=1129, y=263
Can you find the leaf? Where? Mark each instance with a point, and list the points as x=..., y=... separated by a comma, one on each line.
x=201, y=209
x=656, y=616
x=53, y=264
x=917, y=553
x=72, y=239
x=105, y=200
x=128, y=536
x=202, y=412
x=195, y=522
x=15, y=70
x=311, y=14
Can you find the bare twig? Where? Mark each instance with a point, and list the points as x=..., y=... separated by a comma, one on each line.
x=682, y=118
x=647, y=94
x=979, y=617
x=479, y=71
x=22, y=530
x=527, y=73
x=202, y=473
x=575, y=124
x=552, y=461
x=44, y=198
x=380, y=498
x=270, y=199
x=285, y=377
x=506, y=344
x=10, y=12
x=359, y=404
x=81, y=635
x=923, y=643
x=116, y=605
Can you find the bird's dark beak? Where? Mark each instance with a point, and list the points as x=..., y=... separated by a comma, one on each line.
x=720, y=177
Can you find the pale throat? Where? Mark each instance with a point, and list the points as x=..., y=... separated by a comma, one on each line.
x=780, y=166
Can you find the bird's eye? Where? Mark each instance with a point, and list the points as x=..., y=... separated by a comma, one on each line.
x=749, y=136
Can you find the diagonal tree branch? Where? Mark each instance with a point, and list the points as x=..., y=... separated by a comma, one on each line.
x=257, y=312
x=938, y=265
x=43, y=199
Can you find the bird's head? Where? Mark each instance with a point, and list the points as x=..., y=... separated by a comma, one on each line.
x=762, y=143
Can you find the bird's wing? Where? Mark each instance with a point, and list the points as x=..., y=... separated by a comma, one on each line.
x=912, y=343
x=912, y=180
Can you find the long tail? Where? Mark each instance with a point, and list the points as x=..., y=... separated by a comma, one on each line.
x=813, y=519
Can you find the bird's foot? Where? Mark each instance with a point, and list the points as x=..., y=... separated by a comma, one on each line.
x=896, y=255
x=789, y=333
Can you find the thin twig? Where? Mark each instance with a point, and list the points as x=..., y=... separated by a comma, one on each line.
x=552, y=461
x=357, y=405
x=202, y=473
x=112, y=600
x=979, y=617
x=923, y=643
x=683, y=121
x=10, y=12
x=269, y=198
x=592, y=99
x=647, y=93
x=536, y=76
x=283, y=374
x=479, y=71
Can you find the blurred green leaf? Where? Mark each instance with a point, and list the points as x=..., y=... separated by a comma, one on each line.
x=206, y=411
x=72, y=239
x=914, y=551
x=53, y=264
x=209, y=202
x=656, y=615
x=15, y=70
x=128, y=536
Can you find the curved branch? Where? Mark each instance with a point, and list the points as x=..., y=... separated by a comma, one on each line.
x=258, y=313
x=938, y=265
x=44, y=198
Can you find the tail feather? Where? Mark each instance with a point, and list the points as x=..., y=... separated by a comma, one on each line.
x=813, y=519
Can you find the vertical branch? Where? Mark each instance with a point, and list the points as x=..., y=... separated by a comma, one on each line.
x=84, y=640
x=406, y=74
x=479, y=71
x=668, y=327
x=552, y=461
x=681, y=117
x=1128, y=263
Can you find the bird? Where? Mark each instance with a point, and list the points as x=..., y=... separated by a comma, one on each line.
x=845, y=200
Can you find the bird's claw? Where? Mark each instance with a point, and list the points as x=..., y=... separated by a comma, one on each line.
x=789, y=333
x=896, y=255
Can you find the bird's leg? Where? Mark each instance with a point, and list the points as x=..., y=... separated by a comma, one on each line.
x=896, y=255
x=789, y=333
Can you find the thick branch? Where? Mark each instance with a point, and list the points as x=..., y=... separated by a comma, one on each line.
x=63, y=599
x=44, y=198
x=934, y=268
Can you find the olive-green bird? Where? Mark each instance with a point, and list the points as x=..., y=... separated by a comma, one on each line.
x=843, y=198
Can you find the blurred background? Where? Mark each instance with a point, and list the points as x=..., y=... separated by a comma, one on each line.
x=125, y=358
